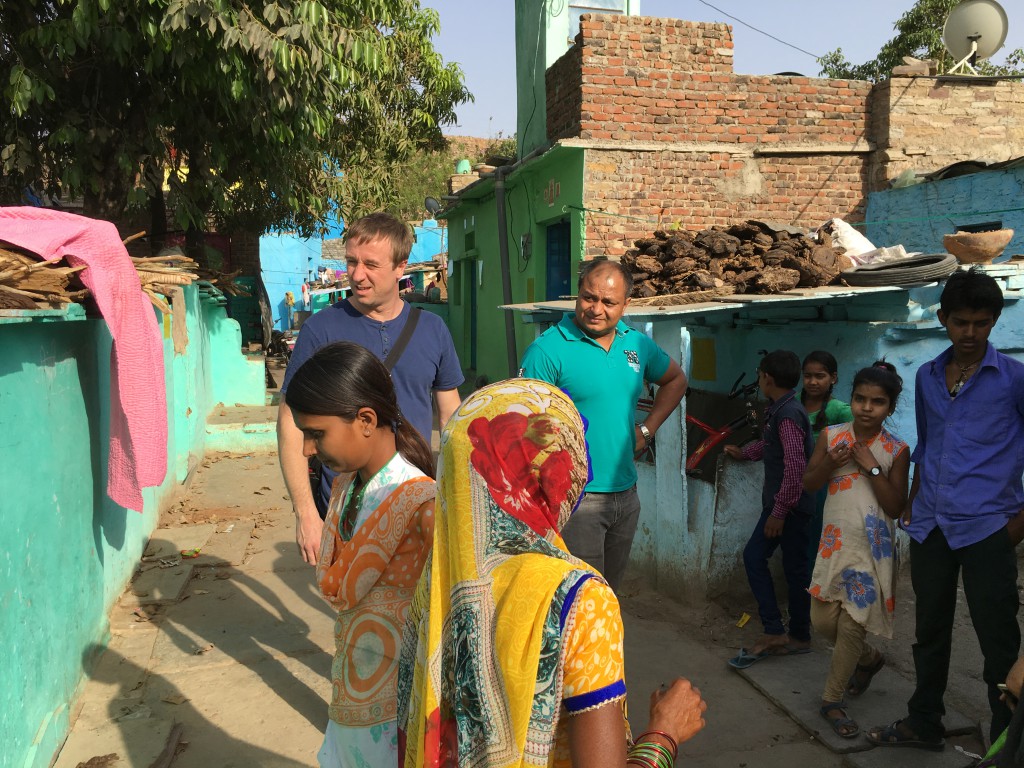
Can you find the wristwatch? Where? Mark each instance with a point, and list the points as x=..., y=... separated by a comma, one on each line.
x=875, y=471
x=645, y=432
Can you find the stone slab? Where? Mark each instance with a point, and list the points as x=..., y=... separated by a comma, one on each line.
x=134, y=743
x=242, y=620
x=158, y=586
x=169, y=542
x=794, y=684
x=268, y=714
x=226, y=546
x=742, y=728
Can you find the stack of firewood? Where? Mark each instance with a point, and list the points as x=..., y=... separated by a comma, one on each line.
x=225, y=281
x=748, y=257
x=26, y=282
x=160, y=275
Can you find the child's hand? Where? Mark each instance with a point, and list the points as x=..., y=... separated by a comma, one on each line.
x=773, y=527
x=863, y=456
x=734, y=452
x=839, y=455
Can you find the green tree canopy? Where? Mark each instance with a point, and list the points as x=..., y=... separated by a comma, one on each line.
x=426, y=173
x=918, y=33
x=281, y=114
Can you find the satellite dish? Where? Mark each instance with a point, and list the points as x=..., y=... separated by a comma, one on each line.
x=432, y=206
x=974, y=31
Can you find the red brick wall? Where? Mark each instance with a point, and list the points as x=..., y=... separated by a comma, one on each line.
x=647, y=79
x=563, y=82
x=632, y=193
x=675, y=137
x=245, y=252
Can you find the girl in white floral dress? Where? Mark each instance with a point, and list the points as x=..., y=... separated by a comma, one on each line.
x=854, y=578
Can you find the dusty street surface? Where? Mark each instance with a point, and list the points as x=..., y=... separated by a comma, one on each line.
x=222, y=660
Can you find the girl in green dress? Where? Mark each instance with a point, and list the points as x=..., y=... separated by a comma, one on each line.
x=821, y=373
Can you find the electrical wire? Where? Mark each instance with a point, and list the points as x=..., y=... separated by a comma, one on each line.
x=761, y=31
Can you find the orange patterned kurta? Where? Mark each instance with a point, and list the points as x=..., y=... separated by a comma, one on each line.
x=370, y=580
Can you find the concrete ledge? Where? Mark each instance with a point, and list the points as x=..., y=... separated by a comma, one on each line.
x=242, y=429
x=794, y=684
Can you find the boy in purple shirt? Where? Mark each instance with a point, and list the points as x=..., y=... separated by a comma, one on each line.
x=785, y=511
x=966, y=507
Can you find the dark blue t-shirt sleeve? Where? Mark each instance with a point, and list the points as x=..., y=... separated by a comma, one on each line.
x=306, y=345
x=449, y=370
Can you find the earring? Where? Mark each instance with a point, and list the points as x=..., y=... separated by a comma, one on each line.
x=366, y=433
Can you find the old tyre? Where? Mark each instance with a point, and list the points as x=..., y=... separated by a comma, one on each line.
x=915, y=270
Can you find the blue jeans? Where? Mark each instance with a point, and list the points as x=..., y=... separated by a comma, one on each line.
x=796, y=568
x=600, y=532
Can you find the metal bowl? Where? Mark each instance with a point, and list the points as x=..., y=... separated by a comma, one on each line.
x=977, y=247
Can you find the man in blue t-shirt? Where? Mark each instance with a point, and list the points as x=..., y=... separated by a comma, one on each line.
x=602, y=364
x=377, y=249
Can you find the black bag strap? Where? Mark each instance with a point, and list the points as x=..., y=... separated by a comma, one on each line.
x=403, y=339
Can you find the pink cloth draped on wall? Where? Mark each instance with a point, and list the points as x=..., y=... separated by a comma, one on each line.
x=138, y=408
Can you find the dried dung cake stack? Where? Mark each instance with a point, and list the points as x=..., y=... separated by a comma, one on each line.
x=749, y=257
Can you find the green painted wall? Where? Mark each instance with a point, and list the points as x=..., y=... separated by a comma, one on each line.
x=545, y=191
x=67, y=550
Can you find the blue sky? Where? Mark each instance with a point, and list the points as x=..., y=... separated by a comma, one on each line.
x=483, y=42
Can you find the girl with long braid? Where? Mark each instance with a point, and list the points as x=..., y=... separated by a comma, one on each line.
x=378, y=532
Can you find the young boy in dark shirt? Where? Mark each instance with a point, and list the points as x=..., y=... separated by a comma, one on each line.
x=785, y=511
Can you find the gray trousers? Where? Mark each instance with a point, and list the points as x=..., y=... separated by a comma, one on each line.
x=600, y=532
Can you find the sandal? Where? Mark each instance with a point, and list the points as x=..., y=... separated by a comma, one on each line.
x=894, y=736
x=844, y=726
x=860, y=680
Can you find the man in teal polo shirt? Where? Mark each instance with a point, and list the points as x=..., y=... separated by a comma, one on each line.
x=602, y=363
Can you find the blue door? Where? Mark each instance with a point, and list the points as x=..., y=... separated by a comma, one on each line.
x=559, y=273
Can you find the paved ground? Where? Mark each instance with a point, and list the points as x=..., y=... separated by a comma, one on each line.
x=223, y=660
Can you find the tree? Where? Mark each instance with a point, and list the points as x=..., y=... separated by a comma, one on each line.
x=426, y=173
x=919, y=34
x=280, y=114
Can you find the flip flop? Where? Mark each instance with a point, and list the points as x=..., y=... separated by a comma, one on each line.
x=840, y=723
x=892, y=736
x=747, y=659
x=860, y=680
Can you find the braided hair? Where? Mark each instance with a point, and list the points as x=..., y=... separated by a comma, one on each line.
x=827, y=361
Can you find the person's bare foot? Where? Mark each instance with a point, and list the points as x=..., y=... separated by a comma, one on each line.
x=768, y=643
x=797, y=645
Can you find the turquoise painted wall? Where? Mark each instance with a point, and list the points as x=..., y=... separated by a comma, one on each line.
x=545, y=191
x=920, y=215
x=68, y=550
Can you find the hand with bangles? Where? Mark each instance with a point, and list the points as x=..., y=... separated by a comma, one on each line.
x=676, y=712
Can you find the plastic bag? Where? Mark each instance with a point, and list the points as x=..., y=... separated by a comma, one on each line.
x=849, y=238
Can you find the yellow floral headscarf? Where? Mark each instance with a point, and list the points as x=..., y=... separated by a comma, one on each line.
x=481, y=665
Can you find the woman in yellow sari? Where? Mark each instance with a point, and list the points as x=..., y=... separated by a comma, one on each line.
x=513, y=652
x=376, y=538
